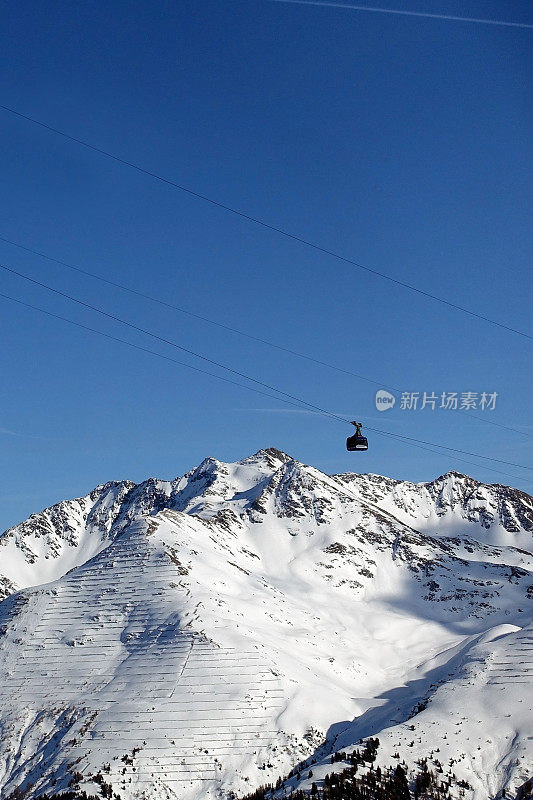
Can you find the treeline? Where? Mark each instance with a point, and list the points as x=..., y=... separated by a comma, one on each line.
x=361, y=781
x=76, y=794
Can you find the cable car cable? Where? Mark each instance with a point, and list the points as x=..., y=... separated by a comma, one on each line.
x=445, y=447
x=257, y=221
x=146, y=349
x=222, y=378
x=174, y=307
x=237, y=331
x=300, y=400
x=167, y=341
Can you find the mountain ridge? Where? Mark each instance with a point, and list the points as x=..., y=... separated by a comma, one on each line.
x=283, y=604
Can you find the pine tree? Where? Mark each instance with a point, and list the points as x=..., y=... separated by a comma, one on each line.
x=400, y=784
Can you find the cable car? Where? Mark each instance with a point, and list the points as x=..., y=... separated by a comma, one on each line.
x=357, y=441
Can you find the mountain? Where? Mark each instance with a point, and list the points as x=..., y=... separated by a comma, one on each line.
x=201, y=636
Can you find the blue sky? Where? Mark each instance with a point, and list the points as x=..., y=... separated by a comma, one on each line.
x=397, y=141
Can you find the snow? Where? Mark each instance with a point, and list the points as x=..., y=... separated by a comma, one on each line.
x=209, y=633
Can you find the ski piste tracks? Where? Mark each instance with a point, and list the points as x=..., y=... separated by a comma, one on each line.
x=514, y=664
x=137, y=674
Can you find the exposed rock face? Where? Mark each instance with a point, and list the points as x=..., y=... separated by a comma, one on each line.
x=204, y=634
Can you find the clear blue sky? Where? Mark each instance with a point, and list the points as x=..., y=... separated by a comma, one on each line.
x=401, y=142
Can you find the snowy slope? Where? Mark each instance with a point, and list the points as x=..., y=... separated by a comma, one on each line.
x=190, y=637
x=470, y=710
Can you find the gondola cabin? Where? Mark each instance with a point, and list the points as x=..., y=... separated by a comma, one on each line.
x=357, y=441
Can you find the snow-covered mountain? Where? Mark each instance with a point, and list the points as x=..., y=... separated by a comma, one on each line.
x=188, y=638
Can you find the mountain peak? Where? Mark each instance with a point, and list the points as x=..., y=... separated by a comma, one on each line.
x=202, y=636
x=269, y=455
x=452, y=475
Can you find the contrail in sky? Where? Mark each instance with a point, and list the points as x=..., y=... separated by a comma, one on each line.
x=380, y=10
